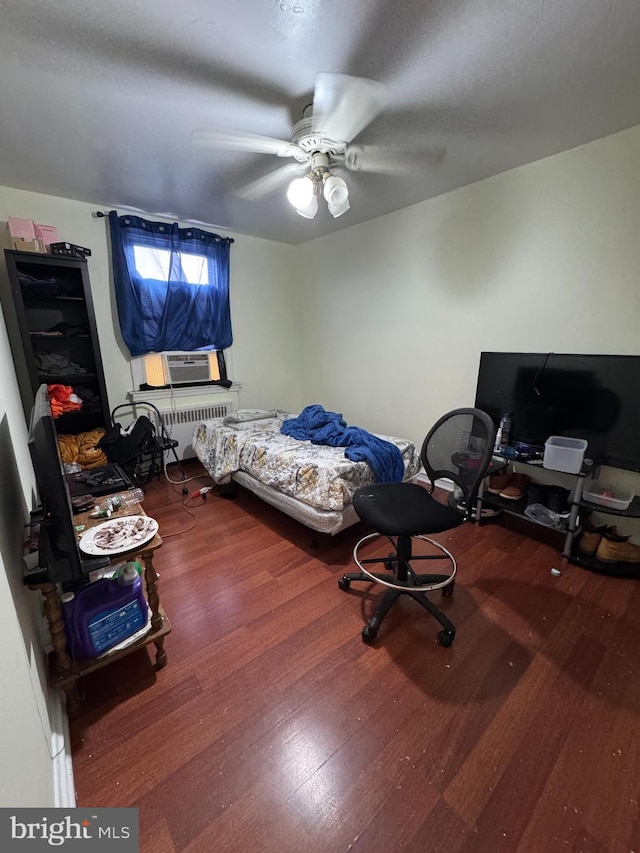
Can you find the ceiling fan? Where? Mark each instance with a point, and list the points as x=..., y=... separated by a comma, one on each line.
x=342, y=107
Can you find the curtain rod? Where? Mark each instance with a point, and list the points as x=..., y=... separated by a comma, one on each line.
x=100, y=214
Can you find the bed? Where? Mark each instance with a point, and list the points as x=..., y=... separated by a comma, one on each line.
x=313, y=483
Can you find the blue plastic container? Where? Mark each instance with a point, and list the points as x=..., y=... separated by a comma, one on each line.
x=102, y=614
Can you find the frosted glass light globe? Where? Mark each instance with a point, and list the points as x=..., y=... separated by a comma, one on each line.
x=336, y=191
x=300, y=192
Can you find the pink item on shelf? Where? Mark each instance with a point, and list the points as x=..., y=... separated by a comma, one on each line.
x=22, y=229
x=47, y=233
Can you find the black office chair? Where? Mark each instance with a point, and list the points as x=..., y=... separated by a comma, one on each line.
x=458, y=448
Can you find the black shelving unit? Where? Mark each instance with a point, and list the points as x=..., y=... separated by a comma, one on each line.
x=591, y=562
x=515, y=507
x=579, y=507
x=31, y=313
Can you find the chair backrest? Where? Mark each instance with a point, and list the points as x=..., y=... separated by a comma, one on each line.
x=141, y=408
x=459, y=447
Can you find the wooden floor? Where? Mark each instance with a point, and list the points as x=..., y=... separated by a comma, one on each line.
x=274, y=728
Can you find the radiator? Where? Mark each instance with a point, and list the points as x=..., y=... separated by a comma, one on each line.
x=179, y=423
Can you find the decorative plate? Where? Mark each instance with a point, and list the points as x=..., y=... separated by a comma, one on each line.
x=118, y=535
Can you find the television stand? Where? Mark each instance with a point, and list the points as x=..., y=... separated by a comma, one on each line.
x=65, y=671
x=573, y=527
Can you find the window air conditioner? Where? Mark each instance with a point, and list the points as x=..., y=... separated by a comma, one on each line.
x=185, y=368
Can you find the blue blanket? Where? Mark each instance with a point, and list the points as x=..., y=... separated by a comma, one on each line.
x=318, y=426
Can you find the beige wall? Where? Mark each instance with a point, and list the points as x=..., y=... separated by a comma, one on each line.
x=265, y=306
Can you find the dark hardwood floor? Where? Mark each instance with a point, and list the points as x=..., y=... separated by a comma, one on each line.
x=274, y=728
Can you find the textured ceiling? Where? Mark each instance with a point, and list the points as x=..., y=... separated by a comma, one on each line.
x=98, y=100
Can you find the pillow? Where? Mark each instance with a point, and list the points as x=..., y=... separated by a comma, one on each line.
x=244, y=415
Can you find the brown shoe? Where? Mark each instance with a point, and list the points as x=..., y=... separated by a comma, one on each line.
x=516, y=488
x=591, y=537
x=499, y=481
x=615, y=548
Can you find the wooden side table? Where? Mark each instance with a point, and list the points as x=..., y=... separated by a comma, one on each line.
x=64, y=671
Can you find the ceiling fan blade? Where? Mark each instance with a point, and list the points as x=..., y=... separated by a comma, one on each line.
x=232, y=140
x=343, y=105
x=273, y=181
x=390, y=160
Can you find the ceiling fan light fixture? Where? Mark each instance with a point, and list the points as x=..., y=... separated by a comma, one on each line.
x=338, y=209
x=342, y=107
x=309, y=210
x=336, y=191
x=301, y=192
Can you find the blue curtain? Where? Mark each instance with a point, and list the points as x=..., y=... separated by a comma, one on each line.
x=155, y=265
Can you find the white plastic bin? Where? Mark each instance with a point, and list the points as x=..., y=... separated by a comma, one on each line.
x=564, y=454
x=614, y=497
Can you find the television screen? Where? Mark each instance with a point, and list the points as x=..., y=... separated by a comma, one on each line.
x=594, y=397
x=59, y=553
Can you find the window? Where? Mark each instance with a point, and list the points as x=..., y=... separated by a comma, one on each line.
x=156, y=263
x=172, y=286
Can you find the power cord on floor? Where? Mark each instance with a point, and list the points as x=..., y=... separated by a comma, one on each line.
x=200, y=492
x=184, y=480
x=204, y=491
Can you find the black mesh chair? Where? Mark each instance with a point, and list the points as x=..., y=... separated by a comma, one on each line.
x=458, y=448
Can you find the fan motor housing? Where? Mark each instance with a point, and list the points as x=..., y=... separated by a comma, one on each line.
x=312, y=142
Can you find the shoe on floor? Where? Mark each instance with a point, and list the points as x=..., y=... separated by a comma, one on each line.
x=517, y=487
x=591, y=537
x=614, y=548
x=499, y=481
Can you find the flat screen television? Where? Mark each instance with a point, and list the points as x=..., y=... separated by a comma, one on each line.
x=595, y=397
x=60, y=558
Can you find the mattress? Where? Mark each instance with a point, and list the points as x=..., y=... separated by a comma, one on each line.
x=321, y=520
x=318, y=476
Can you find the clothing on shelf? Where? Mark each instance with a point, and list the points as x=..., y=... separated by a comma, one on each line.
x=38, y=288
x=56, y=364
x=83, y=449
x=90, y=400
x=63, y=399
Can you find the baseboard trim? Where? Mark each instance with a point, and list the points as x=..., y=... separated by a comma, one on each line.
x=63, y=783
x=447, y=485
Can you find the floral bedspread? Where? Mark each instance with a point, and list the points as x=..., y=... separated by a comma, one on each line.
x=251, y=441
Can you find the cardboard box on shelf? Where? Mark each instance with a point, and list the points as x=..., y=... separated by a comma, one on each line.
x=28, y=245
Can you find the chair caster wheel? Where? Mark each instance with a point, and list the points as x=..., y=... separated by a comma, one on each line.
x=369, y=634
x=445, y=638
x=344, y=583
